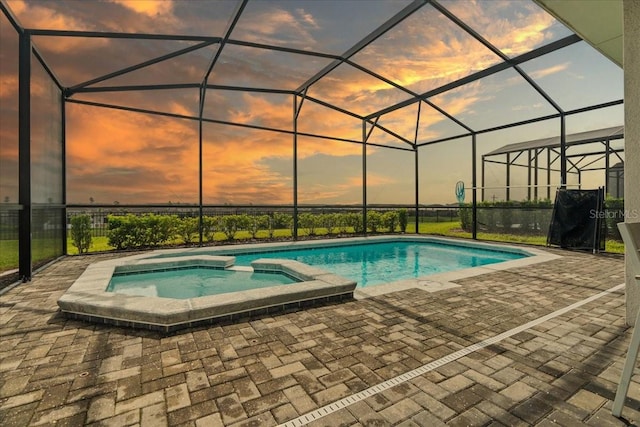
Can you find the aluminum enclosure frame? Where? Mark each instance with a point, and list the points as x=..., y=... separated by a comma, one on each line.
x=299, y=97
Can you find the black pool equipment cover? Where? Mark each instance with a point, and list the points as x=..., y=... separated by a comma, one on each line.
x=578, y=220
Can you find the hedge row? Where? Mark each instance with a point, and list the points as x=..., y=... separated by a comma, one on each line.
x=151, y=230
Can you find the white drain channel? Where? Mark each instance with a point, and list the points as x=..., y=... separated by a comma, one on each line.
x=378, y=388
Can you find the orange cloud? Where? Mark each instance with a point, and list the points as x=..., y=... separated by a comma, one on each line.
x=513, y=27
x=8, y=86
x=39, y=15
x=43, y=15
x=539, y=74
x=151, y=8
x=277, y=26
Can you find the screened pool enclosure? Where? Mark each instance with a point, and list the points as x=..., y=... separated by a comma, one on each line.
x=194, y=106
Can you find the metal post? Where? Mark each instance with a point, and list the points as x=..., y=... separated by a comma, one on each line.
x=508, y=176
x=24, y=157
x=63, y=136
x=606, y=168
x=474, y=192
x=295, y=168
x=415, y=151
x=529, y=174
x=482, y=179
x=548, y=173
x=563, y=152
x=535, y=175
x=364, y=176
x=417, y=195
x=200, y=167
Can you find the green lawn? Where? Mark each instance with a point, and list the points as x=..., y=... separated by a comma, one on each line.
x=8, y=254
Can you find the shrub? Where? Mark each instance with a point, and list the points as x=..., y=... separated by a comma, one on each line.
x=466, y=217
x=256, y=223
x=283, y=221
x=132, y=231
x=403, y=219
x=188, y=228
x=126, y=231
x=81, y=232
x=309, y=222
x=271, y=226
x=330, y=221
x=355, y=220
x=230, y=225
x=342, y=222
x=390, y=220
x=159, y=228
x=374, y=221
x=210, y=224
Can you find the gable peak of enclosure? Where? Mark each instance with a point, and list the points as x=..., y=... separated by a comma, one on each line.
x=393, y=76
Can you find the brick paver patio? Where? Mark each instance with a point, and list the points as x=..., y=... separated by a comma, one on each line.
x=273, y=369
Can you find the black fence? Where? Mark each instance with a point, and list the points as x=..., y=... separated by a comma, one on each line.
x=531, y=218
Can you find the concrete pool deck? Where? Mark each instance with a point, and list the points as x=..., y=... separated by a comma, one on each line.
x=537, y=344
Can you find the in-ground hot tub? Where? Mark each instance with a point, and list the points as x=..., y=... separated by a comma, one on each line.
x=90, y=299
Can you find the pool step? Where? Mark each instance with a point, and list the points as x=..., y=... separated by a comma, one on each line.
x=240, y=268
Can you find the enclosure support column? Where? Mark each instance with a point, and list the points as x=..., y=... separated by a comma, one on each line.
x=607, y=147
x=364, y=177
x=417, y=195
x=508, y=176
x=535, y=175
x=24, y=156
x=482, y=179
x=549, y=173
x=563, y=152
x=415, y=153
x=63, y=134
x=295, y=167
x=474, y=191
x=200, y=165
x=529, y=174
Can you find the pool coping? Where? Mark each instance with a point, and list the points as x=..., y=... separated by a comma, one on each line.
x=431, y=283
x=87, y=298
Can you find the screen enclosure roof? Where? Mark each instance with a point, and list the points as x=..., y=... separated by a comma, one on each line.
x=417, y=72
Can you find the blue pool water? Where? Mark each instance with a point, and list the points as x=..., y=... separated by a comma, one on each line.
x=376, y=263
x=193, y=282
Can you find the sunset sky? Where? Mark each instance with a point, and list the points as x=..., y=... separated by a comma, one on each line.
x=130, y=157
